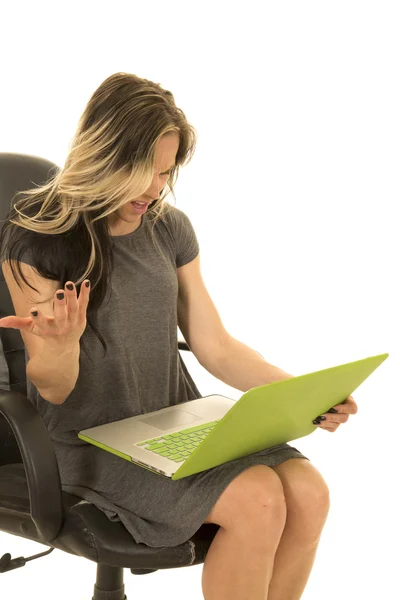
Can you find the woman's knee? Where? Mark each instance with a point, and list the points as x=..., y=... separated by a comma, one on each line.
x=307, y=498
x=254, y=498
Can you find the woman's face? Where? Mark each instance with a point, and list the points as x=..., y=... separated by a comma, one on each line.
x=129, y=216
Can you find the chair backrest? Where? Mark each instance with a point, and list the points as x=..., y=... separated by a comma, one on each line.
x=18, y=172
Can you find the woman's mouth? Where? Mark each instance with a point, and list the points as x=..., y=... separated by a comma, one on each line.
x=140, y=207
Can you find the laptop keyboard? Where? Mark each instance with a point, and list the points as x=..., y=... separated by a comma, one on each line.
x=179, y=445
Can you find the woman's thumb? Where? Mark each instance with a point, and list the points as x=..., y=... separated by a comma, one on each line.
x=15, y=322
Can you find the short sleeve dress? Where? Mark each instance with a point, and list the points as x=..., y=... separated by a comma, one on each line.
x=142, y=371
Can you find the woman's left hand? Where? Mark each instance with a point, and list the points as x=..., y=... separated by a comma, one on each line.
x=331, y=421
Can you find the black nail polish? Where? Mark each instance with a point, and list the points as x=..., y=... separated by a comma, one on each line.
x=60, y=295
x=69, y=287
x=87, y=283
x=34, y=313
x=332, y=410
x=317, y=421
x=322, y=418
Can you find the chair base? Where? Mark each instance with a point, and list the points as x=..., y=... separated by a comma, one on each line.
x=109, y=583
x=115, y=595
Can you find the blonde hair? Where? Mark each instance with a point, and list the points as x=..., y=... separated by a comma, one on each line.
x=111, y=159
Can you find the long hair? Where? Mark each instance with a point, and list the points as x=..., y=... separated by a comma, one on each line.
x=110, y=160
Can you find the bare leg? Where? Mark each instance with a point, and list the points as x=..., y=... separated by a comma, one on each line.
x=292, y=568
x=307, y=500
x=238, y=567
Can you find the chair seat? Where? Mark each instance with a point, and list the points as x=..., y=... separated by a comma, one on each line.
x=87, y=532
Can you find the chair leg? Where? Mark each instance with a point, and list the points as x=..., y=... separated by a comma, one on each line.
x=109, y=583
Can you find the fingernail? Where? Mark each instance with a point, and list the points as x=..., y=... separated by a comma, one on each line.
x=60, y=295
x=332, y=410
x=87, y=283
x=321, y=418
x=34, y=313
x=70, y=287
x=317, y=421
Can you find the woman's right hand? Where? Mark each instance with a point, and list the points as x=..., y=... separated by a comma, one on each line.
x=68, y=323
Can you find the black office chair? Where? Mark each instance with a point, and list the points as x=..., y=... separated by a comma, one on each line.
x=32, y=502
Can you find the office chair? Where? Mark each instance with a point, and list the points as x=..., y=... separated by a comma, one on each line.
x=32, y=502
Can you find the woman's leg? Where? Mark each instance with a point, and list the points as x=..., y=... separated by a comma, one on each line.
x=307, y=502
x=251, y=513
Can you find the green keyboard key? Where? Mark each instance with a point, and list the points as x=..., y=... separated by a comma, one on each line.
x=180, y=441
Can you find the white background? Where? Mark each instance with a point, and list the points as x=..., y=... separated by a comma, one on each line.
x=293, y=192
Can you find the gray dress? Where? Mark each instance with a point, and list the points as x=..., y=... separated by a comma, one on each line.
x=142, y=372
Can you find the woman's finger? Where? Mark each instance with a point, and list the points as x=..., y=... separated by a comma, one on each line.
x=60, y=308
x=71, y=300
x=83, y=300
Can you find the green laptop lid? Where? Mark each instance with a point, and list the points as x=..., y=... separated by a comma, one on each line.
x=276, y=413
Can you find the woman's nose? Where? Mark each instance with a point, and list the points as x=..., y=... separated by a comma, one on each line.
x=154, y=192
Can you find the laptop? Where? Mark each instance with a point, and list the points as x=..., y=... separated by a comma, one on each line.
x=190, y=437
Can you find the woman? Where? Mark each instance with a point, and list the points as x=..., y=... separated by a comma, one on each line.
x=271, y=506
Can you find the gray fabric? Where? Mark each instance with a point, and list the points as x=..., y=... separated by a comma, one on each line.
x=4, y=375
x=142, y=372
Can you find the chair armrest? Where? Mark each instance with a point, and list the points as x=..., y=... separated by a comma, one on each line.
x=182, y=345
x=39, y=460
